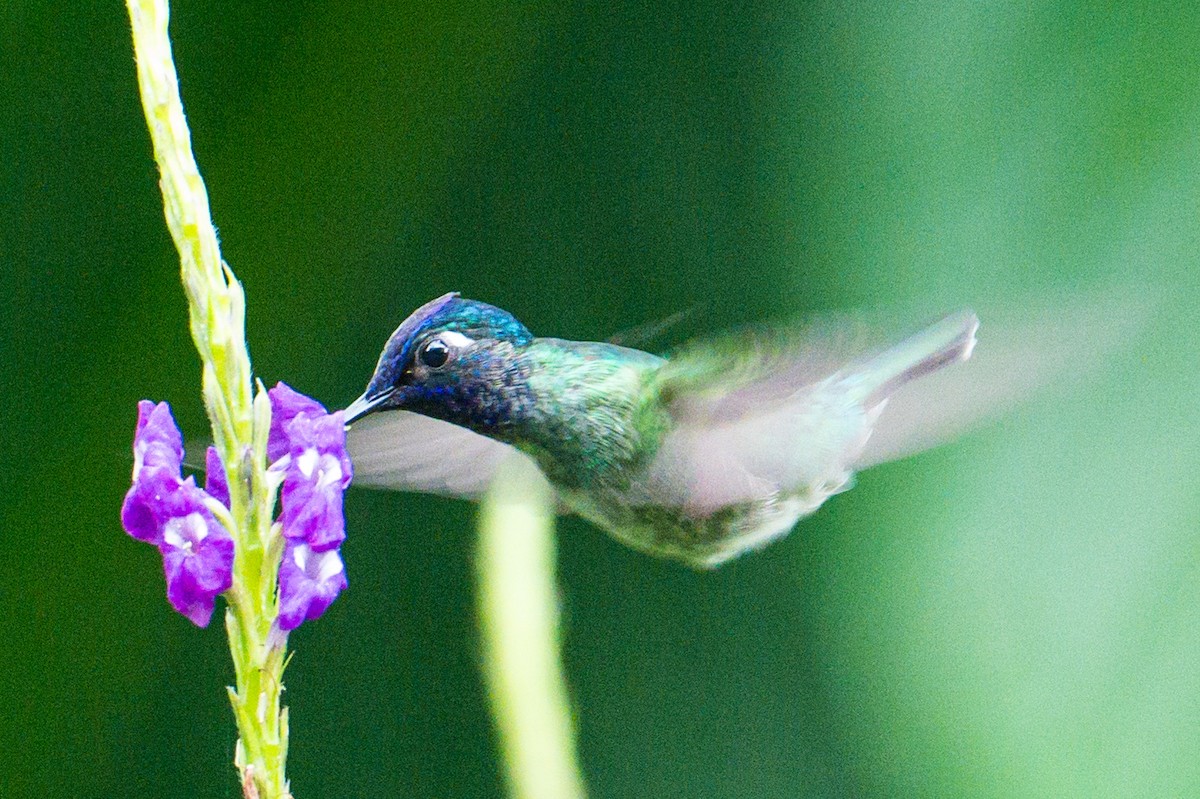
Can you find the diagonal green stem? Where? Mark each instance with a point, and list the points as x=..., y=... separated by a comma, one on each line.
x=240, y=416
x=518, y=608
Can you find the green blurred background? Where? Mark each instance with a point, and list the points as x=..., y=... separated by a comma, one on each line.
x=1011, y=616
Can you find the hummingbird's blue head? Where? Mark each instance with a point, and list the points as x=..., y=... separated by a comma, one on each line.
x=450, y=359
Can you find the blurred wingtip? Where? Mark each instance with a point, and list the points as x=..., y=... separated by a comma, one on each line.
x=1026, y=348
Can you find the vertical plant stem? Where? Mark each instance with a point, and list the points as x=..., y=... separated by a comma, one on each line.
x=240, y=417
x=518, y=609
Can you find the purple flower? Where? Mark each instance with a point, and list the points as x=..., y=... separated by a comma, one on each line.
x=198, y=562
x=163, y=509
x=309, y=581
x=157, y=454
x=305, y=444
x=309, y=446
x=215, y=483
x=286, y=405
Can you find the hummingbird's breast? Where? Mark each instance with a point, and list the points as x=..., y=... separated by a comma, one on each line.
x=592, y=421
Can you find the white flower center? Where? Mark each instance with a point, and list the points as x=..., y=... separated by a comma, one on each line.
x=317, y=566
x=330, y=565
x=300, y=556
x=330, y=471
x=308, y=461
x=184, y=532
x=327, y=468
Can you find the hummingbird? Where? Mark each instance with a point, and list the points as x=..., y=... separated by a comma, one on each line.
x=714, y=451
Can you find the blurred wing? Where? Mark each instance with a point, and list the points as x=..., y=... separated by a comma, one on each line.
x=792, y=415
x=409, y=452
x=1044, y=346
x=782, y=414
x=734, y=375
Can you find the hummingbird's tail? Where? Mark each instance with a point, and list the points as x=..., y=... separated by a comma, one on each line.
x=874, y=378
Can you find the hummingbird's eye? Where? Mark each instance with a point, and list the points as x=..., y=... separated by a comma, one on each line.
x=434, y=354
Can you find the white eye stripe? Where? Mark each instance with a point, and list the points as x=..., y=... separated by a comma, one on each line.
x=455, y=339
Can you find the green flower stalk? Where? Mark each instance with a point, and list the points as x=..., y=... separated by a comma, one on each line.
x=518, y=608
x=241, y=421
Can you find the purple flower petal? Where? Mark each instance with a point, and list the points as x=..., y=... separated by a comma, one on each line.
x=309, y=581
x=157, y=440
x=214, y=477
x=316, y=478
x=155, y=497
x=198, y=563
x=309, y=446
x=157, y=454
x=313, y=513
x=286, y=404
x=163, y=509
x=137, y=515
